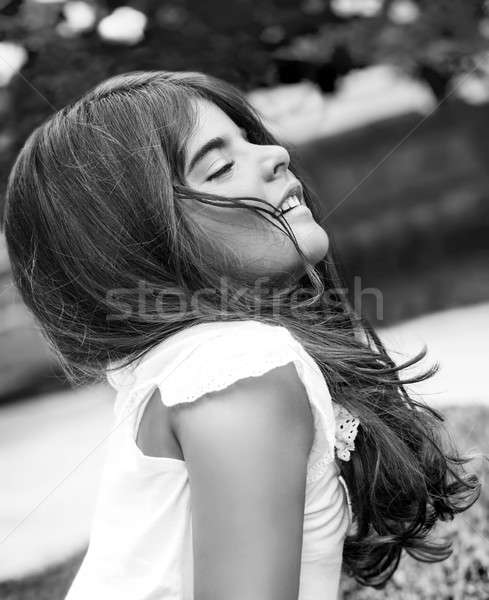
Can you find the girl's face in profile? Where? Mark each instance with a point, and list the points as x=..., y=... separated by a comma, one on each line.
x=220, y=160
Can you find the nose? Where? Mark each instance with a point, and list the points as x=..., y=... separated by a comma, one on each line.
x=275, y=159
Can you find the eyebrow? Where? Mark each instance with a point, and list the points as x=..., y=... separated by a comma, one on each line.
x=217, y=143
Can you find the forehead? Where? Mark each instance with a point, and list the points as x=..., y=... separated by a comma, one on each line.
x=211, y=121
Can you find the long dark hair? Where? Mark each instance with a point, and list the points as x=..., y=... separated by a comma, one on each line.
x=97, y=204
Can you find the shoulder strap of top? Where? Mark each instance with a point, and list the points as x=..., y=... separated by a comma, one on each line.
x=219, y=361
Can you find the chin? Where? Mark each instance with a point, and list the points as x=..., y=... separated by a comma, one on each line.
x=315, y=246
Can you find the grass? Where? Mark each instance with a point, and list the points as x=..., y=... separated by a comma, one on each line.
x=465, y=575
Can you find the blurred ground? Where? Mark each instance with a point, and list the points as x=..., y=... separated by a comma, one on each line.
x=49, y=468
x=457, y=340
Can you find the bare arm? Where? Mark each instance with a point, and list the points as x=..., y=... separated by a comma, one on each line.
x=246, y=450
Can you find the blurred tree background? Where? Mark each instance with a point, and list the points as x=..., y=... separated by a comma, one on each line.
x=404, y=198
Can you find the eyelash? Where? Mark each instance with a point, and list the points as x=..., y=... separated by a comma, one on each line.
x=221, y=171
x=229, y=165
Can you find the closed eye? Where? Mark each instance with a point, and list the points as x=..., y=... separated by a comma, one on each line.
x=221, y=171
x=230, y=165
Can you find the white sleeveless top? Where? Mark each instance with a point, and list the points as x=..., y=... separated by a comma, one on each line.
x=141, y=536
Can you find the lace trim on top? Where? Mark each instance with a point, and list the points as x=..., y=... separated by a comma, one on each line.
x=346, y=432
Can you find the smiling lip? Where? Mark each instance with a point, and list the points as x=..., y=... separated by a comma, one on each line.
x=301, y=209
x=293, y=189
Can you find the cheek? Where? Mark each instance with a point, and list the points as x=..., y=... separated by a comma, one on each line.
x=259, y=247
x=230, y=223
x=267, y=252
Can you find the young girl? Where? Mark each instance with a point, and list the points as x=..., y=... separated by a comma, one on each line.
x=263, y=437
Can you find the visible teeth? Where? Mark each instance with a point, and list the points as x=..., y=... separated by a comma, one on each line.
x=291, y=202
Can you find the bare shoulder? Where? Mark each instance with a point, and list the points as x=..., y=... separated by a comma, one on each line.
x=246, y=449
x=274, y=405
